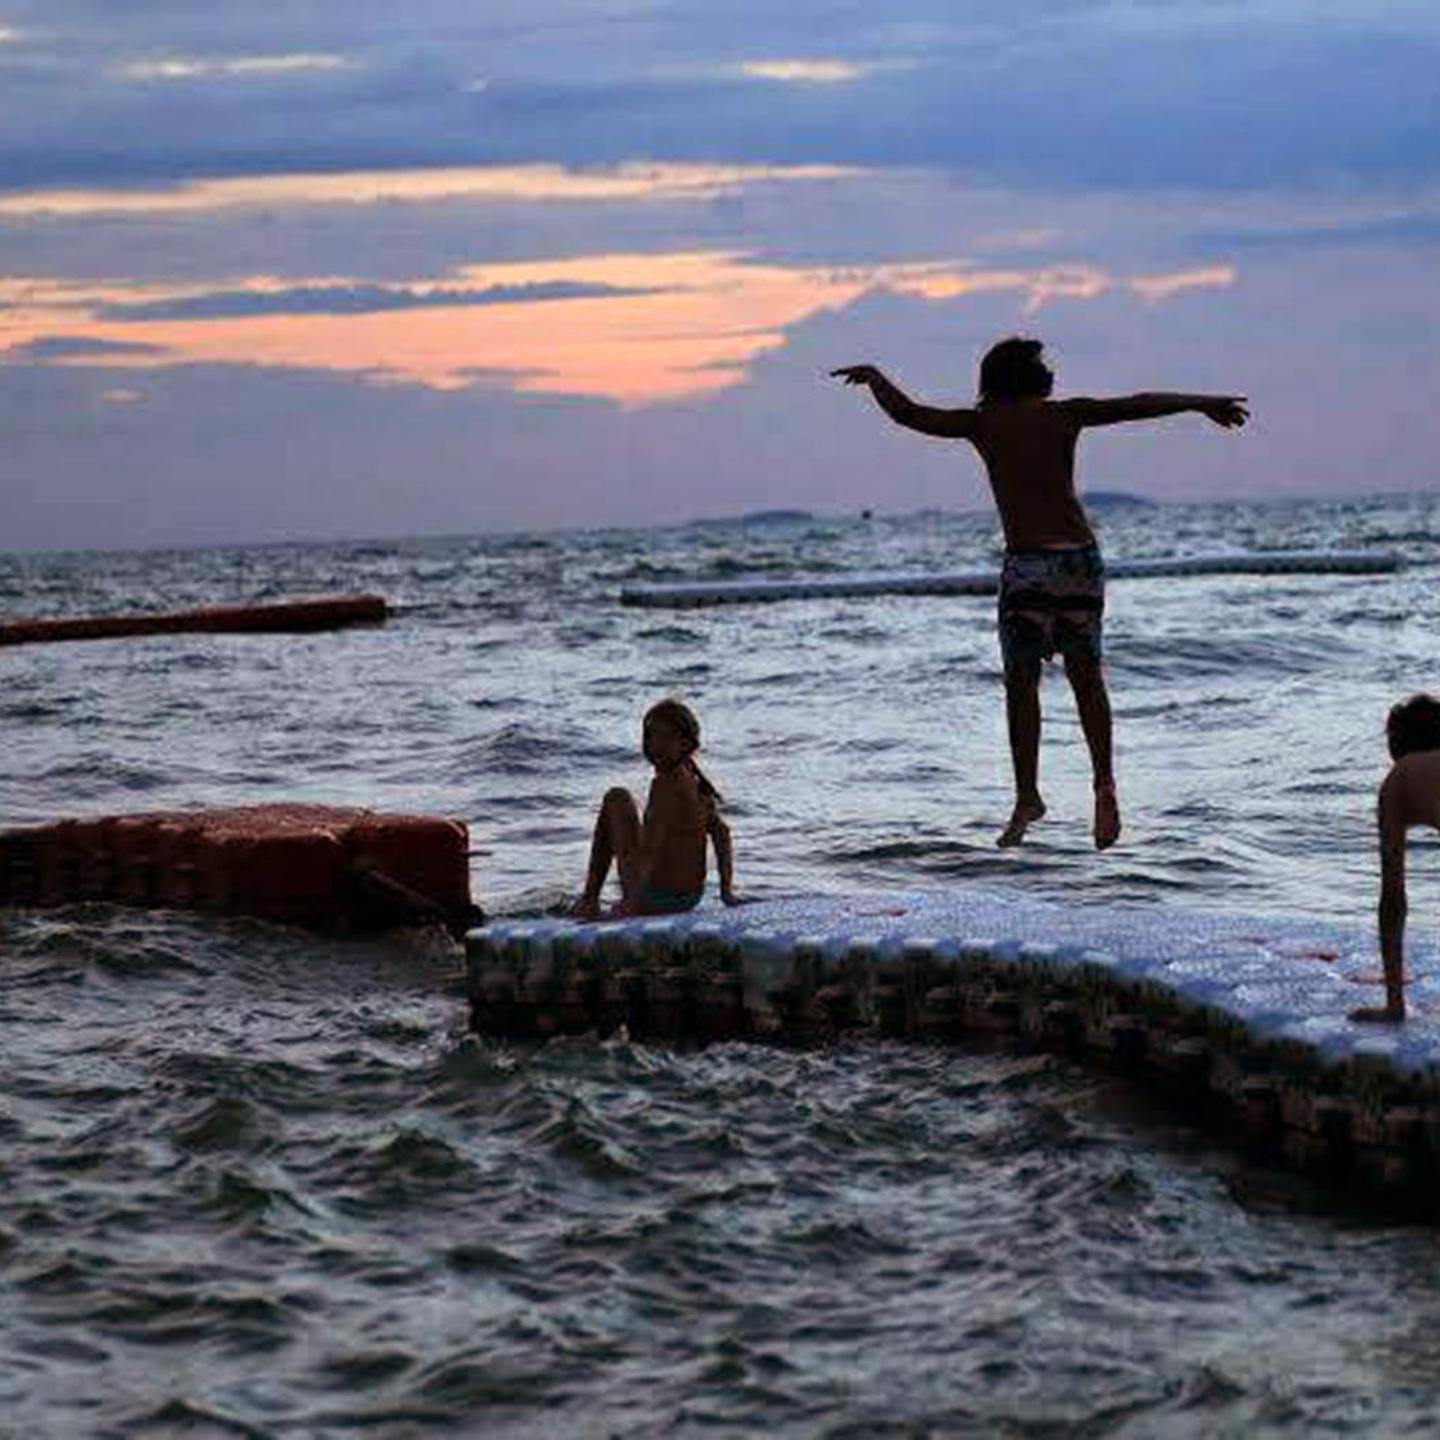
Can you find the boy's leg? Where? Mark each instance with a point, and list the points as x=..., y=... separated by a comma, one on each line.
x=1022, y=717
x=1087, y=680
x=617, y=838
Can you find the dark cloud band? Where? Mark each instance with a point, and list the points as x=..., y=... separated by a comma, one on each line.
x=356, y=300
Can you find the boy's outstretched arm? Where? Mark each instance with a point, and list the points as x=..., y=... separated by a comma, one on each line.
x=927, y=419
x=1228, y=411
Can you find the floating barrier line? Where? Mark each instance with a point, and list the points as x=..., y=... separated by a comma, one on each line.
x=678, y=595
x=1241, y=1020
x=329, y=612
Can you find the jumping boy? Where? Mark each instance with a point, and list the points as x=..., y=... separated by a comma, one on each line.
x=1052, y=584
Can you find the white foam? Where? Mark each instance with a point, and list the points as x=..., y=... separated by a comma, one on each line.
x=683, y=595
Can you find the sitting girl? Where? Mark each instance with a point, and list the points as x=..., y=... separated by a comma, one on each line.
x=661, y=859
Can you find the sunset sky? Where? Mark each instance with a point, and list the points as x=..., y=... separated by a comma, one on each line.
x=317, y=269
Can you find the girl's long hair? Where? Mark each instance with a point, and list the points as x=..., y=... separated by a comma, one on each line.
x=681, y=718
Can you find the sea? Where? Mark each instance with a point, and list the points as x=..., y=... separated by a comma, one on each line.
x=259, y=1182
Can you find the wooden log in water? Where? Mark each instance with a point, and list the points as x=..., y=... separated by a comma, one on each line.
x=328, y=612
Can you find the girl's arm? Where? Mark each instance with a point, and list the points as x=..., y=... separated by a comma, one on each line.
x=927, y=419
x=724, y=856
x=1225, y=410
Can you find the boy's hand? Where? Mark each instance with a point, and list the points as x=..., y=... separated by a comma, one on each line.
x=1227, y=411
x=857, y=374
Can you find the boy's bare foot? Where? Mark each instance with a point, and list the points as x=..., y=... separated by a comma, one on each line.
x=1378, y=1015
x=1024, y=815
x=1107, y=816
x=586, y=909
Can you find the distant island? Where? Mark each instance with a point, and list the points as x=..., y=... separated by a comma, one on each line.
x=760, y=517
x=1115, y=498
x=775, y=517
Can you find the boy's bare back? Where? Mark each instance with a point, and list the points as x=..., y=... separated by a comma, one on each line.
x=1028, y=447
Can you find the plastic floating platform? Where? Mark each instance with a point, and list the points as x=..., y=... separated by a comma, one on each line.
x=986, y=582
x=1242, y=1019
x=310, y=865
x=328, y=612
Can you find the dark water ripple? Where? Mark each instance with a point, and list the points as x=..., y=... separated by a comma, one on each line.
x=253, y=1183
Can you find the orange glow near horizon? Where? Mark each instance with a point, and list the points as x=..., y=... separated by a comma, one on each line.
x=708, y=317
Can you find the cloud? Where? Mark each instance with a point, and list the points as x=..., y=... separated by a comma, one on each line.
x=632, y=182
x=183, y=67
x=1228, y=96
x=805, y=72
x=634, y=329
x=1044, y=285
x=352, y=299
x=1156, y=288
x=1419, y=228
x=78, y=347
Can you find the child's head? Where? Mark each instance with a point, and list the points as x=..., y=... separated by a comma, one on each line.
x=671, y=736
x=1015, y=369
x=671, y=733
x=1413, y=724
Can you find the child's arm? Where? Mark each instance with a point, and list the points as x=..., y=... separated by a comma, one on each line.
x=724, y=855
x=1227, y=411
x=927, y=419
x=1393, y=906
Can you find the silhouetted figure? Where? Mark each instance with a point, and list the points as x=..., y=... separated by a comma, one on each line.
x=661, y=859
x=1052, y=585
x=1409, y=795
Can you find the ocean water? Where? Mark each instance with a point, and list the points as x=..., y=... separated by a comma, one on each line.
x=255, y=1182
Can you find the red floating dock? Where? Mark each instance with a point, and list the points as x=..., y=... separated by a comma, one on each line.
x=328, y=612
x=312, y=865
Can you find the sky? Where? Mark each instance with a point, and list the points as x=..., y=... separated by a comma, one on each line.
x=312, y=269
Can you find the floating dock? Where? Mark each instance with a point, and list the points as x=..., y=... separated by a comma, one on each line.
x=314, y=865
x=1241, y=1020
x=676, y=595
x=326, y=612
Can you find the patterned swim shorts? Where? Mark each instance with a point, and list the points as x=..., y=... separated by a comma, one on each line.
x=1051, y=600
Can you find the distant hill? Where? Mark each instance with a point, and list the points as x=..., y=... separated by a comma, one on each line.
x=1115, y=498
x=760, y=517
x=775, y=517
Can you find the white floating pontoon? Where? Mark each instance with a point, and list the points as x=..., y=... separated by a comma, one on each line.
x=686, y=595
x=1245, y=1020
